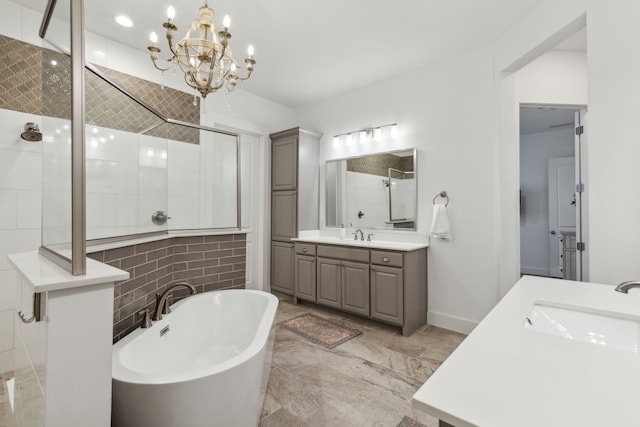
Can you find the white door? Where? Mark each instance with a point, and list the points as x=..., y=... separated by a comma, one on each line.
x=562, y=208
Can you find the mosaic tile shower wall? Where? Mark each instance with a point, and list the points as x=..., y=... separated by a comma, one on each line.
x=206, y=262
x=38, y=81
x=20, y=76
x=379, y=164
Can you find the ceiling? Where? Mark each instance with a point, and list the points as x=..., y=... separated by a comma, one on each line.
x=307, y=51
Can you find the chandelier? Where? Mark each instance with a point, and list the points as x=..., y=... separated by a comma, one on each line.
x=203, y=55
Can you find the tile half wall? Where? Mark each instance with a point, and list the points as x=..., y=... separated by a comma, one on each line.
x=206, y=262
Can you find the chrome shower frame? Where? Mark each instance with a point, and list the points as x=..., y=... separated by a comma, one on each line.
x=77, y=264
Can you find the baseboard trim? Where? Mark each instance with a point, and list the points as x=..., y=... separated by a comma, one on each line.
x=451, y=323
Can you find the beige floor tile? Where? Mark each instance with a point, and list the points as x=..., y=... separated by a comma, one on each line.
x=366, y=381
x=282, y=418
x=337, y=414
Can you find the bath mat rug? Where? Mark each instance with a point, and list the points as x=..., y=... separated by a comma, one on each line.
x=325, y=332
x=409, y=422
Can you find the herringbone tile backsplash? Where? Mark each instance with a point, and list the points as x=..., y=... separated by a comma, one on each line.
x=38, y=81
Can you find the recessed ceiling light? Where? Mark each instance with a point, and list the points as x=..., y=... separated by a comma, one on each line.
x=125, y=21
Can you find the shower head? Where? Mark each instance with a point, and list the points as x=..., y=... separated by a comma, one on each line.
x=31, y=133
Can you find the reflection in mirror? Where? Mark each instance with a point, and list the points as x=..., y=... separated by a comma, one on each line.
x=373, y=191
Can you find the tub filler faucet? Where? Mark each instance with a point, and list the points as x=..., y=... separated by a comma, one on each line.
x=625, y=286
x=162, y=306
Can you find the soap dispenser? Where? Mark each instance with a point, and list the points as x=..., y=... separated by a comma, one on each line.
x=343, y=232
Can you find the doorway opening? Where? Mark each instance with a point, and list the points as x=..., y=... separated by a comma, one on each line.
x=550, y=191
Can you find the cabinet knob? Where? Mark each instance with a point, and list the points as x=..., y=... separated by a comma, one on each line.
x=385, y=259
x=305, y=250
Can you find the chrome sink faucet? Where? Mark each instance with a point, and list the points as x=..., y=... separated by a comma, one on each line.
x=355, y=235
x=162, y=306
x=625, y=286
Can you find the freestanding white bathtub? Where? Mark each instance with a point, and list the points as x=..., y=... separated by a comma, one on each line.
x=210, y=368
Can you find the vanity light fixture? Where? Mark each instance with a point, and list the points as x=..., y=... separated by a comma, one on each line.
x=203, y=55
x=365, y=135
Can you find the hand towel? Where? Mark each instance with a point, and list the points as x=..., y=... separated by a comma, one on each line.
x=440, y=223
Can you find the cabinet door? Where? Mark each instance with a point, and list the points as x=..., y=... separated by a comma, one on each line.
x=305, y=277
x=283, y=215
x=282, y=267
x=284, y=163
x=329, y=282
x=355, y=287
x=387, y=294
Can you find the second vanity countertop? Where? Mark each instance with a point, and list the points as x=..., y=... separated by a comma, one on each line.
x=373, y=244
x=503, y=375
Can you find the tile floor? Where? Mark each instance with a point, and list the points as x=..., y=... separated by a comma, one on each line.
x=367, y=381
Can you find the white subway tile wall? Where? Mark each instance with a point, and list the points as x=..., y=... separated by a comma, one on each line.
x=20, y=214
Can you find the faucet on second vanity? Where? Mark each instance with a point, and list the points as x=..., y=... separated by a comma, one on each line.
x=162, y=306
x=625, y=286
x=355, y=234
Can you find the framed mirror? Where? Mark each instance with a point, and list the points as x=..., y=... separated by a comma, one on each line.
x=375, y=191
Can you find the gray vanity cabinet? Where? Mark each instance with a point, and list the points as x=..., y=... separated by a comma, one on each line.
x=386, y=285
x=283, y=215
x=355, y=287
x=294, y=198
x=344, y=285
x=284, y=162
x=282, y=267
x=387, y=296
x=305, y=272
x=329, y=282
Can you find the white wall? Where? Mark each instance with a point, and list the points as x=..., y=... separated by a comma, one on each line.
x=20, y=187
x=535, y=150
x=446, y=111
x=614, y=85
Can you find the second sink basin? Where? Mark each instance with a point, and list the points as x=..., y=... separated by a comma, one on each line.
x=576, y=323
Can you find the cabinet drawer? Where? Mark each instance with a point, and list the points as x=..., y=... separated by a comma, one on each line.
x=346, y=254
x=393, y=259
x=305, y=248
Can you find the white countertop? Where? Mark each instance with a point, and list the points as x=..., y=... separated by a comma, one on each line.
x=374, y=244
x=503, y=375
x=45, y=276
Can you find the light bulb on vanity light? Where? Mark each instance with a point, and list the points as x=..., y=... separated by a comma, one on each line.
x=226, y=22
x=349, y=139
x=363, y=136
x=377, y=134
x=250, y=51
x=154, y=38
x=394, y=131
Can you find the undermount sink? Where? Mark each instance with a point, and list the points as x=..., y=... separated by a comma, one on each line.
x=575, y=323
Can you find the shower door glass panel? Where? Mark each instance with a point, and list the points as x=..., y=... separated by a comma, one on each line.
x=126, y=163
x=56, y=130
x=203, y=182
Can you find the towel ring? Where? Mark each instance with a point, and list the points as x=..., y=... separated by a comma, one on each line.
x=442, y=194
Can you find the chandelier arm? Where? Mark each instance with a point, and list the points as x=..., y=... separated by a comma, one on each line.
x=155, y=64
x=170, y=43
